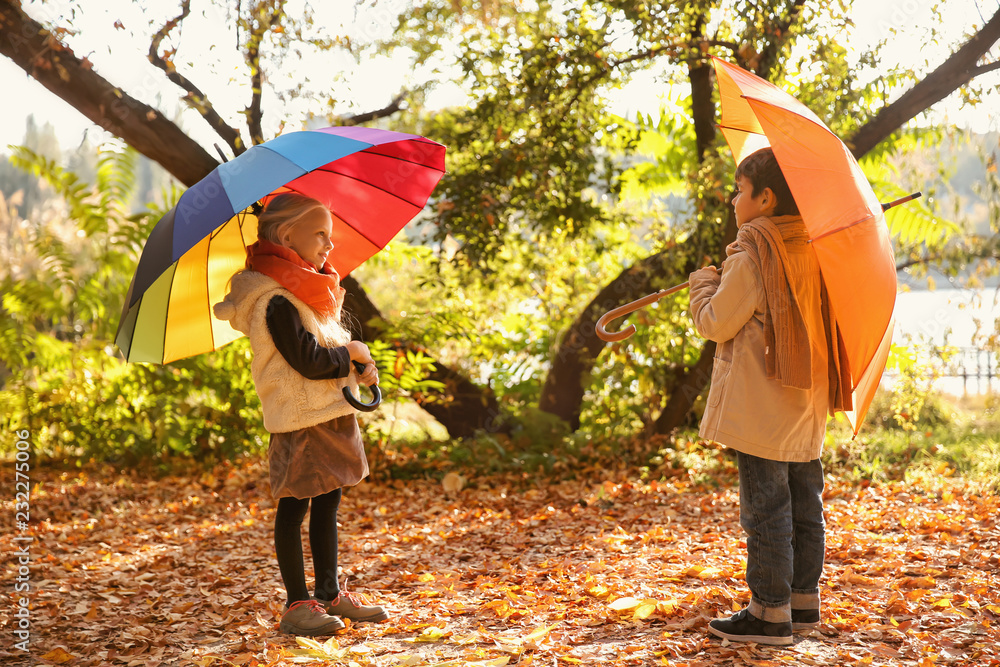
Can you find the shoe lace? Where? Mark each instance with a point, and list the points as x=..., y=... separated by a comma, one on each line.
x=313, y=605
x=357, y=599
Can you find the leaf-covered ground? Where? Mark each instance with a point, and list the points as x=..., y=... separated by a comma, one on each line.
x=180, y=571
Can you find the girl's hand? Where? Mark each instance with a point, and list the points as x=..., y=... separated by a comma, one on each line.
x=370, y=376
x=360, y=352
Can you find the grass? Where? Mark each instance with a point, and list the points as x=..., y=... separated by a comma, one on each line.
x=950, y=440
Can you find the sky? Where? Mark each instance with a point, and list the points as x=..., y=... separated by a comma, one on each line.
x=122, y=61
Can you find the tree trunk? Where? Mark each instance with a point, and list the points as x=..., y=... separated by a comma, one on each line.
x=55, y=66
x=462, y=407
x=562, y=393
x=955, y=72
x=686, y=391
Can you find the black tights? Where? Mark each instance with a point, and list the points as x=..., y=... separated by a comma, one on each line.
x=322, y=538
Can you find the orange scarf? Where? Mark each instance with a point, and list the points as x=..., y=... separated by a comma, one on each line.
x=786, y=352
x=320, y=289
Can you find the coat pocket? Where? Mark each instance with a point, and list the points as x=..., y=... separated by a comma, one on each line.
x=720, y=373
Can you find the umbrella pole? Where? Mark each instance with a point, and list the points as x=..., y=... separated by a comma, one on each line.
x=621, y=311
x=901, y=200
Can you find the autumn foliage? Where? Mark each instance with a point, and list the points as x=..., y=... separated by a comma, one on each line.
x=130, y=570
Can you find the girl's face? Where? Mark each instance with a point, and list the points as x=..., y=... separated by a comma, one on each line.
x=310, y=237
x=746, y=206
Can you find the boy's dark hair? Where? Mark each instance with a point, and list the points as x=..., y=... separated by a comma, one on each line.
x=762, y=170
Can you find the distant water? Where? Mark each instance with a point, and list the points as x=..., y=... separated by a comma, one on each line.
x=945, y=316
x=949, y=317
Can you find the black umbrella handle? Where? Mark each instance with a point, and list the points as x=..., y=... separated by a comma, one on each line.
x=357, y=404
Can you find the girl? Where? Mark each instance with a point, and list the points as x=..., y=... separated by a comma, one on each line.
x=288, y=302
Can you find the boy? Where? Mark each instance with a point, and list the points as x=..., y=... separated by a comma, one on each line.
x=773, y=385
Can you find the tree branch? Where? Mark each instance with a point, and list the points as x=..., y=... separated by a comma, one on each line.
x=989, y=252
x=951, y=75
x=778, y=31
x=384, y=112
x=258, y=29
x=54, y=65
x=195, y=97
x=465, y=410
x=983, y=69
x=461, y=407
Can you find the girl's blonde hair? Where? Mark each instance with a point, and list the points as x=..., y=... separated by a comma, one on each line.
x=282, y=214
x=278, y=218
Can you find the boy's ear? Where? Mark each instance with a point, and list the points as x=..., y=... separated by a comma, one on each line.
x=768, y=200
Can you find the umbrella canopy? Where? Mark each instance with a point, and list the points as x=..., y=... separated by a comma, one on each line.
x=373, y=181
x=839, y=208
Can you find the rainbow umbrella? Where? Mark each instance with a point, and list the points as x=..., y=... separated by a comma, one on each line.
x=373, y=181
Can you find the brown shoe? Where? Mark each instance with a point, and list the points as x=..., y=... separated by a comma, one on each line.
x=307, y=617
x=354, y=607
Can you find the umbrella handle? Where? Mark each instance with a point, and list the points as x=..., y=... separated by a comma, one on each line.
x=621, y=311
x=357, y=404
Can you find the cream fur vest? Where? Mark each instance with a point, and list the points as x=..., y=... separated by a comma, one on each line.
x=290, y=401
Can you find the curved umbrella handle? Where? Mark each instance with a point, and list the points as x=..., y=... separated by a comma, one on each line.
x=357, y=404
x=621, y=311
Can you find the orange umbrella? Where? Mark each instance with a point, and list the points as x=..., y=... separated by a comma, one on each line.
x=839, y=208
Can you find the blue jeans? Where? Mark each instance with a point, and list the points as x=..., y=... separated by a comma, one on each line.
x=781, y=510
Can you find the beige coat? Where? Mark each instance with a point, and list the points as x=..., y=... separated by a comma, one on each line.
x=289, y=401
x=746, y=410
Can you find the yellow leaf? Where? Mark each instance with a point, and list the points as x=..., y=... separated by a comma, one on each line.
x=58, y=655
x=918, y=582
x=431, y=634
x=852, y=577
x=425, y=578
x=624, y=604
x=539, y=633
x=310, y=643
x=598, y=591
x=667, y=607
x=645, y=610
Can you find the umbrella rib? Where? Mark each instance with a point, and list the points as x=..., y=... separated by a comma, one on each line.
x=208, y=290
x=388, y=192
x=131, y=343
x=163, y=343
x=840, y=229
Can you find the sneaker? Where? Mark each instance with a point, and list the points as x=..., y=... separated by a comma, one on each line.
x=804, y=619
x=354, y=607
x=744, y=627
x=308, y=618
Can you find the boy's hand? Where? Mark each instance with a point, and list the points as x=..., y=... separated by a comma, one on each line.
x=709, y=274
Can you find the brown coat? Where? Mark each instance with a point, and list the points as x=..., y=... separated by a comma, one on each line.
x=747, y=410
